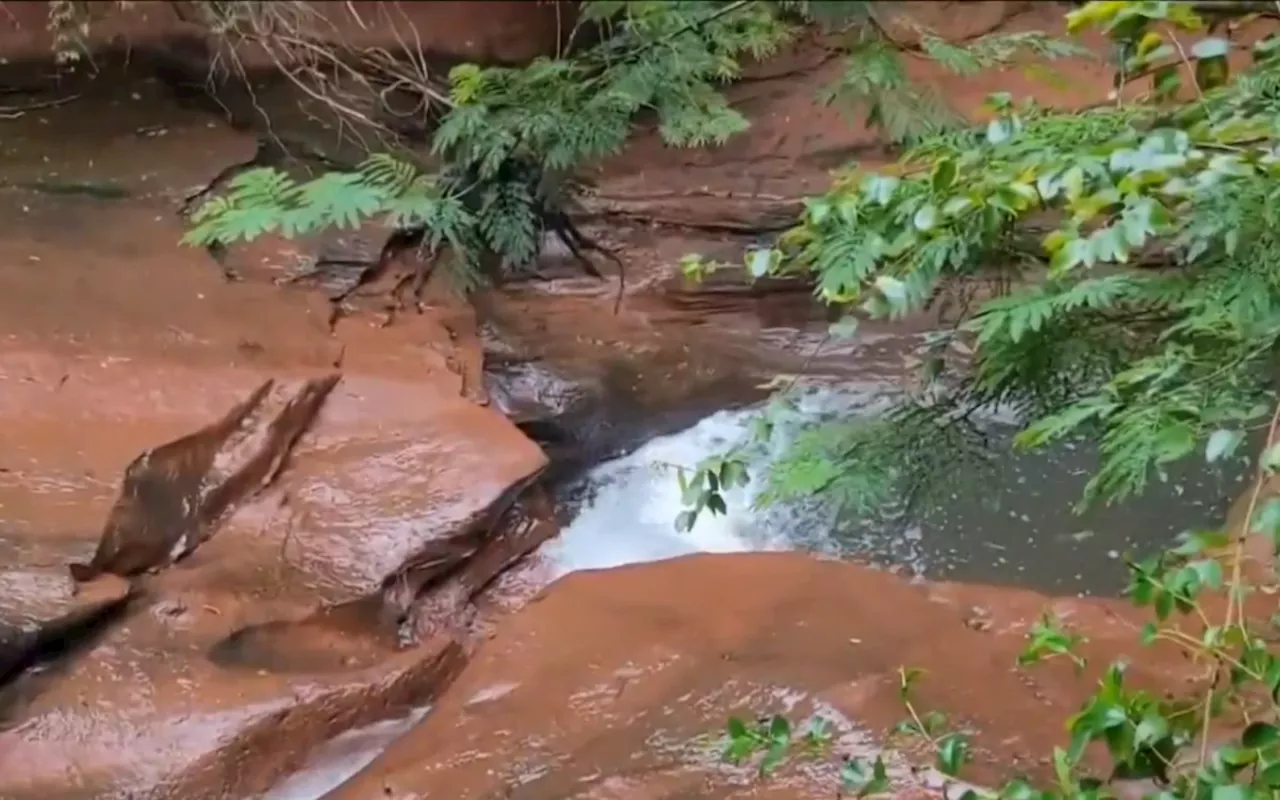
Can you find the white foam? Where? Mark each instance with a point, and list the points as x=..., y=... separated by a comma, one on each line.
x=631, y=517
x=342, y=757
x=629, y=520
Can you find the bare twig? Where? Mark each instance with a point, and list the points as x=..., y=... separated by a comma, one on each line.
x=1186, y=62
x=14, y=112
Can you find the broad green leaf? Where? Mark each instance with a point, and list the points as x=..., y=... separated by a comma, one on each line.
x=999, y=131
x=817, y=210
x=1231, y=791
x=1152, y=729
x=893, y=290
x=953, y=753
x=762, y=261
x=1260, y=735
x=1270, y=461
x=1266, y=519
x=956, y=205
x=845, y=328
x=780, y=728
x=1266, y=48
x=944, y=175
x=863, y=777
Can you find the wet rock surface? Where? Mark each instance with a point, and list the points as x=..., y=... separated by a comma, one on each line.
x=598, y=387
x=174, y=496
x=40, y=607
x=618, y=683
x=275, y=634
x=350, y=588
x=281, y=615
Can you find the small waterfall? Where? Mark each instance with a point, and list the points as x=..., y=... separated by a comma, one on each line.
x=1021, y=530
x=342, y=757
x=628, y=519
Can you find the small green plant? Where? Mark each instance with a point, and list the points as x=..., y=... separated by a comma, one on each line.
x=773, y=739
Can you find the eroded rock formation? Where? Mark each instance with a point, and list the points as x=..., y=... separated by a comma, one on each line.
x=340, y=594
x=277, y=626
x=566, y=702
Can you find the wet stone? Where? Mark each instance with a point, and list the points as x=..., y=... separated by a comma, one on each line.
x=37, y=606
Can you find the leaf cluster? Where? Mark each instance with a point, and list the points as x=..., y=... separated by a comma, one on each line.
x=266, y=200
x=660, y=62
x=1145, y=315
x=1138, y=240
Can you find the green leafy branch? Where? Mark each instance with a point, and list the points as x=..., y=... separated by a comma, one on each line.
x=1147, y=300
x=663, y=63
x=265, y=200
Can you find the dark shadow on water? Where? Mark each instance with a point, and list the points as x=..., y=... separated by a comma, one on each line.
x=1021, y=528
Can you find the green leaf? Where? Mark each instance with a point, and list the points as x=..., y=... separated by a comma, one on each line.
x=894, y=291
x=880, y=188
x=1270, y=461
x=845, y=328
x=953, y=753
x=774, y=755
x=1266, y=520
x=1208, y=572
x=716, y=504
x=957, y=205
x=1233, y=791
x=999, y=131
x=944, y=175
x=1222, y=444
x=863, y=778
x=1152, y=729
x=780, y=728
x=1261, y=735
x=763, y=261
x=1266, y=48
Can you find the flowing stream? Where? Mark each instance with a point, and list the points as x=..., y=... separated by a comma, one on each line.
x=1021, y=531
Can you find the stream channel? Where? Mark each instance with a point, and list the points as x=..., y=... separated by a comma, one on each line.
x=1023, y=532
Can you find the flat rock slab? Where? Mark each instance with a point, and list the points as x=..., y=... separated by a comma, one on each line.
x=617, y=684
x=388, y=469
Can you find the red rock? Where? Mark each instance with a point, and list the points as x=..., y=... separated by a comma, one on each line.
x=617, y=684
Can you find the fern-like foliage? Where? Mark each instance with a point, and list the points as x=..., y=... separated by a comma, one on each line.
x=867, y=467
x=1140, y=241
x=667, y=59
x=266, y=200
